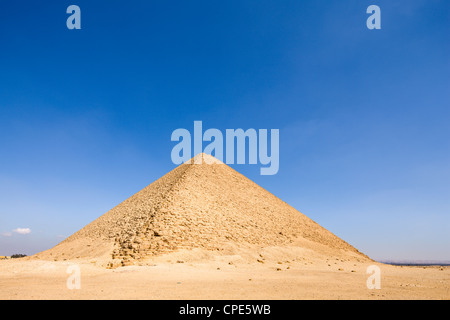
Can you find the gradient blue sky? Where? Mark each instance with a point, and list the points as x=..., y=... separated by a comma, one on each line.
x=86, y=115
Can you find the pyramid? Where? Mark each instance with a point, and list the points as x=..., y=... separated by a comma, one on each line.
x=201, y=204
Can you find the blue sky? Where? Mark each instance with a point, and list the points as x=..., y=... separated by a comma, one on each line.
x=86, y=115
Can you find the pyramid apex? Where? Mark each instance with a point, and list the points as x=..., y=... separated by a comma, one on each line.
x=204, y=158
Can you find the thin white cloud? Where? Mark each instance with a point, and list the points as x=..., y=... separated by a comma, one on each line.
x=22, y=230
x=6, y=234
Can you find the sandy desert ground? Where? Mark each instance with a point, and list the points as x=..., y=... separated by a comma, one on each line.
x=221, y=278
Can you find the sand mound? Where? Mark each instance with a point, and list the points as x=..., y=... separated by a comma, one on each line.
x=202, y=204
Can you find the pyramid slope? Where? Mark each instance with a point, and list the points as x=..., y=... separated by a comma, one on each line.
x=202, y=206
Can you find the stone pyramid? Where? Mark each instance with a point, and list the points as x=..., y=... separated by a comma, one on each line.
x=202, y=204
